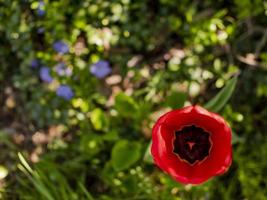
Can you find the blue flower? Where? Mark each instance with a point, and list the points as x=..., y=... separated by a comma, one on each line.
x=62, y=70
x=40, y=9
x=100, y=69
x=40, y=30
x=45, y=75
x=61, y=47
x=65, y=92
x=35, y=63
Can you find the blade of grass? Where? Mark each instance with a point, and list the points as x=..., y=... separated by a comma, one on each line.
x=218, y=102
x=85, y=191
x=34, y=177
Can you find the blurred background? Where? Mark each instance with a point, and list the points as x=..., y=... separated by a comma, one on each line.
x=82, y=83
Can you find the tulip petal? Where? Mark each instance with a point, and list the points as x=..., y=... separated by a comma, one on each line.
x=163, y=134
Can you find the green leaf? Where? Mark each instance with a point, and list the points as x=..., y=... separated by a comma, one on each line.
x=176, y=99
x=218, y=102
x=90, y=144
x=148, y=157
x=124, y=154
x=125, y=105
x=99, y=119
x=111, y=135
x=236, y=138
x=3, y=172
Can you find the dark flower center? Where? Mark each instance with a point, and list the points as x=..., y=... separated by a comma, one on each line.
x=192, y=144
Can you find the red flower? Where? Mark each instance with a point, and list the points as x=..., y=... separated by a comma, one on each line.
x=192, y=144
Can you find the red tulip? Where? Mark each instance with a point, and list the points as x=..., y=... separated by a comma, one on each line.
x=192, y=144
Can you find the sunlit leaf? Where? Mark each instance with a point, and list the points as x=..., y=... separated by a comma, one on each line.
x=3, y=172
x=99, y=119
x=218, y=102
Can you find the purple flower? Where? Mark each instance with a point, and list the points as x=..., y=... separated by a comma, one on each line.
x=40, y=9
x=100, y=69
x=60, y=47
x=65, y=92
x=62, y=70
x=35, y=63
x=40, y=30
x=45, y=75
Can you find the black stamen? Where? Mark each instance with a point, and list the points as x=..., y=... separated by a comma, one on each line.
x=192, y=144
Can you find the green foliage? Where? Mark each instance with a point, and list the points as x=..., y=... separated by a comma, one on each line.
x=99, y=120
x=250, y=167
x=148, y=157
x=124, y=154
x=217, y=103
x=176, y=99
x=50, y=183
x=125, y=105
